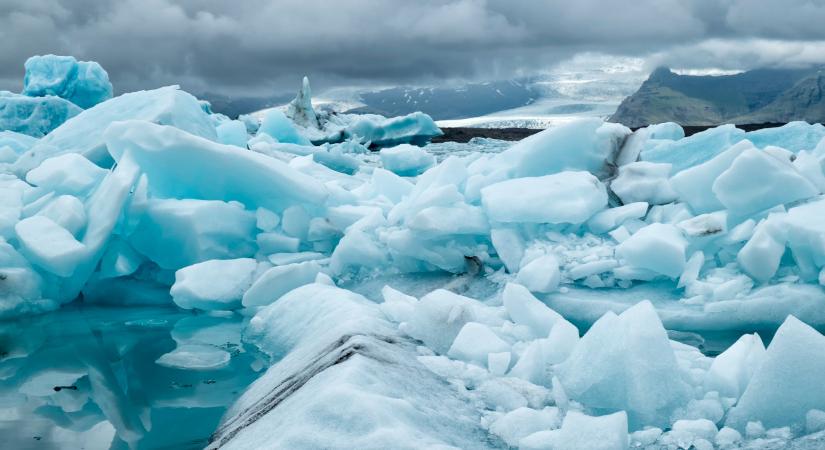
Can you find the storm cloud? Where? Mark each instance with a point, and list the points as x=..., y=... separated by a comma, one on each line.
x=253, y=47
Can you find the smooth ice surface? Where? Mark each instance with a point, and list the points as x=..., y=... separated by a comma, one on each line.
x=541, y=274
x=785, y=386
x=69, y=173
x=644, y=181
x=657, y=247
x=566, y=197
x=582, y=145
x=413, y=128
x=83, y=83
x=695, y=149
x=179, y=233
x=214, y=284
x=175, y=162
x=749, y=184
x=49, y=245
x=279, y=280
x=84, y=134
x=406, y=160
x=278, y=126
x=626, y=363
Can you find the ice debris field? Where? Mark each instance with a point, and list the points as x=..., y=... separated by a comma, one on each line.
x=322, y=280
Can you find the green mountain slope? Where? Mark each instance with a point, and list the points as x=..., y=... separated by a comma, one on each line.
x=764, y=95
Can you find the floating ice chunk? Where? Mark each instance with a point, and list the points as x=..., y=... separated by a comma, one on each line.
x=510, y=247
x=788, y=383
x=810, y=167
x=610, y=218
x=279, y=280
x=295, y=222
x=647, y=138
x=475, y=342
x=335, y=159
x=439, y=316
x=692, y=268
x=499, y=363
x=119, y=260
x=214, y=284
x=657, y=247
x=761, y=255
x=731, y=371
x=644, y=181
x=83, y=83
x=274, y=242
x=416, y=128
x=749, y=184
x=814, y=421
x=390, y=185
x=540, y=275
x=311, y=314
x=66, y=211
x=266, y=220
x=84, y=133
x=397, y=305
x=536, y=362
x=34, y=116
x=692, y=430
x=793, y=136
x=357, y=249
x=300, y=108
x=446, y=221
x=525, y=309
x=195, y=357
x=806, y=236
x=406, y=160
x=278, y=126
x=584, y=145
x=566, y=197
x=175, y=163
x=49, y=245
x=18, y=142
x=582, y=432
x=232, y=132
x=727, y=438
x=179, y=233
x=695, y=149
x=69, y=173
x=626, y=363
x=704, y=226
x=695, y=184
x=522, y=422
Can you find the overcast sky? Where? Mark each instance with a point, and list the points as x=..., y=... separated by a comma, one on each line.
x=257, y=46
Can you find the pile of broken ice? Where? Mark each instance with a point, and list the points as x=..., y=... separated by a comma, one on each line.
x=582, y=227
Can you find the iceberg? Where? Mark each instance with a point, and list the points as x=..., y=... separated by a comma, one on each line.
x=406, y=160
x=34, y=116
x=83, y=83
x=626, y=363
x=565, y=197
x=416, y=296
x=84, y=134
x=783, y=386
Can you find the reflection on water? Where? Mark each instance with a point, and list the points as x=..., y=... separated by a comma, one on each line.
x=89, y=377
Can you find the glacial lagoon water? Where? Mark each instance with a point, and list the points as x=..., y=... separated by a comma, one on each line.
x=66, y=376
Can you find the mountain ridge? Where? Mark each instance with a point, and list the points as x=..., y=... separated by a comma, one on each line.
x=756, y=96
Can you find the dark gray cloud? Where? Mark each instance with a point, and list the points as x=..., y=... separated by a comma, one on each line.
x=259, y=46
